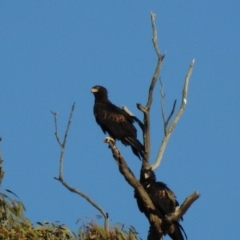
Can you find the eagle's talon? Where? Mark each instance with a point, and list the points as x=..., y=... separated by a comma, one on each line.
x=109, y=140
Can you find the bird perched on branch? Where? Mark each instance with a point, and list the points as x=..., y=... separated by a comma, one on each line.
x=164, y=201
x=115, y=121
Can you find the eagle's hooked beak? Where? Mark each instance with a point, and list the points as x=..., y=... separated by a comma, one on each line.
x=93, y=90
x=146, y=175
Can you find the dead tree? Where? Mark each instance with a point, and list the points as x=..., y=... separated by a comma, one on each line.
x=156, y=220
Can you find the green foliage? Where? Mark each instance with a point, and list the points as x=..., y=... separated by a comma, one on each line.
x=93, y=231
x=14, y=226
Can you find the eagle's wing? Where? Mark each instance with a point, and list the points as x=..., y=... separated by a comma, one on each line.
x=114, y=120
x=163, y=198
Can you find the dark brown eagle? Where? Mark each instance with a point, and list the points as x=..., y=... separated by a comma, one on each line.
x=163, y=199
x=115, y=121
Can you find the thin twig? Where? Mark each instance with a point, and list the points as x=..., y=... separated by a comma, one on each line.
x=162, y=101
x=169, y=117
x=55, y=114
x=176, y=118
x=61, y=179
x=68, y=125
x=82, y=194
x=153, y=16
x=165, y=122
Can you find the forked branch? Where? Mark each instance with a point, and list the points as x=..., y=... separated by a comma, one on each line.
x=62, y=145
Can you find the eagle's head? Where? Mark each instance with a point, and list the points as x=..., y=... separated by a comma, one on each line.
x=147, y=175
x=99, y=92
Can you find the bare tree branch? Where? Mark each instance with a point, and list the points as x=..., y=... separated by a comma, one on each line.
x=61, y=179
x=82, y=194
x=165, y=122
x=182, y=209
x=169, y=117
x=153, y=213
x=162, y=101
x=146, y=109
x=153, y=16
x=176, y=118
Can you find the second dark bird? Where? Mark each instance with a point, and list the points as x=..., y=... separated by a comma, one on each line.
x=164, y=201
x=115, y=121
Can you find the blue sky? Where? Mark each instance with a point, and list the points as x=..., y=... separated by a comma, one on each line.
x=53, y=52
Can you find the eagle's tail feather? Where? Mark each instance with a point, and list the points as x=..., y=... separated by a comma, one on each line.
x=136, y=146
x=176, y=231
